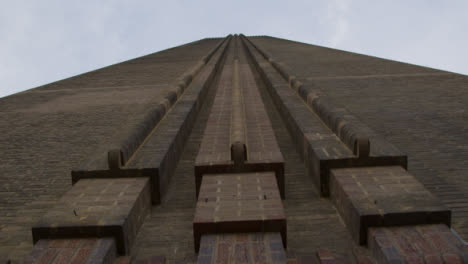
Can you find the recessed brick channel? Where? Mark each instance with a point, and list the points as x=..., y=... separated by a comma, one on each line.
x=241, y=202
x=98, y=208
x=61, y=251
x=238, y=98
x=321, y=148
x=159, y=152
x=383, y=196
x=242, y=248
x=417, y=244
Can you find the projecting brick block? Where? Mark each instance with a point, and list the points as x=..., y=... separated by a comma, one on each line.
x=383, y=196
x=241, y=248
x=98, y=208
x=85, y=250
x=243, y=202
x=417, y=244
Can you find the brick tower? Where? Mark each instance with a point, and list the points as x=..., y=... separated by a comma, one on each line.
x=238, y=150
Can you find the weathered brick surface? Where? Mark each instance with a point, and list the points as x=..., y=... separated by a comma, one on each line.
x=329, y=62
x=309, y=217
x=97, y=208
x=242, y=248
x=263, y=153
x=241, y=202
x=159, y=153
x=151, y=260
x=417, y=244
x=361, y=255
x=168, y=231
x=123, y=260
x=383, y=196
x=421, y=111
x=338, y=119
x=262, y=147
x=215, y=146
x=321, y=147
x=76, y=251
x=132, y=137
x=327, y=257
x=49, y=130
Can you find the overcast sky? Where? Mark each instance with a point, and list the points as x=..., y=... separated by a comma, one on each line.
x=48, y=40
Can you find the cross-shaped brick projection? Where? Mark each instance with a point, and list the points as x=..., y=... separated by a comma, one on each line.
x=238, y=118
x=239, y=202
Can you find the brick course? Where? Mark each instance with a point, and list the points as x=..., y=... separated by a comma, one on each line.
x=242, y=248
x=417, y=244
x=76, y=251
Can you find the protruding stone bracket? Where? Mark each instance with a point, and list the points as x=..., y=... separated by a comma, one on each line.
x=238, y=153
x=362, y=147
x=114, y=159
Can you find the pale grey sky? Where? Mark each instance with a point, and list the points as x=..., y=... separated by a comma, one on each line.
x=48, y=40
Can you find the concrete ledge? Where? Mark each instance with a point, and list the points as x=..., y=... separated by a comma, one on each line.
x=242, y=248
x=417, y=244
x=242, y=202
x=84, y=250
x=383, y=196
x=98, y=208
